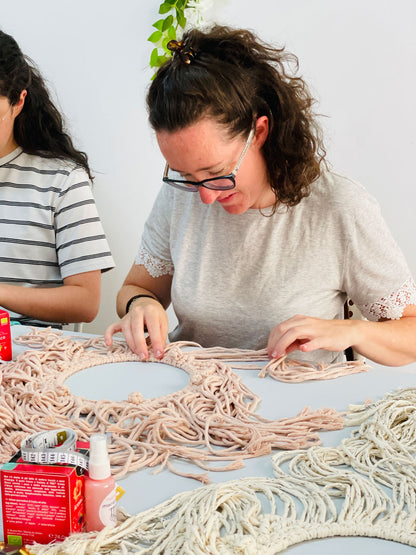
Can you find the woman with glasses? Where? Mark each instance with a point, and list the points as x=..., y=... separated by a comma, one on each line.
x=253, y=240
x=52, y=245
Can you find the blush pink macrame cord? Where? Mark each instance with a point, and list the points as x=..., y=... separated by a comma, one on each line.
x=212, y=419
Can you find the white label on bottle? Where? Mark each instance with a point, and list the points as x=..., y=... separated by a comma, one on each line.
x=107, y=511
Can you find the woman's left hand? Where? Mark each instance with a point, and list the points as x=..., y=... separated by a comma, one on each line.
x=305, y=333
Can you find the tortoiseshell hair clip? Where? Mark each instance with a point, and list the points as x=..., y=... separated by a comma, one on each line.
x=185, y=53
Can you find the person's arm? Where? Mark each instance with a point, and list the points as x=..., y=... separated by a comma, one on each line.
x=145, y=313
x=390, y=342
x=77, y=300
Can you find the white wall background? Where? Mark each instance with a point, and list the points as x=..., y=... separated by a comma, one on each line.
x=359, y=58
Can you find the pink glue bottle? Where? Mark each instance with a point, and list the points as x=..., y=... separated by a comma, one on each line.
x=100, y=487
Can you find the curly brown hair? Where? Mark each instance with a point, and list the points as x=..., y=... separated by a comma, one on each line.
x=234, y=77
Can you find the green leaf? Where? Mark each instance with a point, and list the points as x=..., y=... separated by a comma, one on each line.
x=154, y=57
x=167, y=23
x=165, y=43
x=181, y=19
x=155, y=37
x=172, y=33
x=158, y=24
x=167, y=29
x=164, y=8
x=162, y=59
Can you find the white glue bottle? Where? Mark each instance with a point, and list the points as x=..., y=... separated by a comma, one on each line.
x=100, y=487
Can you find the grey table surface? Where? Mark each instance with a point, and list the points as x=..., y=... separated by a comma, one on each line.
x=144, y=489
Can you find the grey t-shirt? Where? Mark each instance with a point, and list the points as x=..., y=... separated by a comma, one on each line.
x=235, y=277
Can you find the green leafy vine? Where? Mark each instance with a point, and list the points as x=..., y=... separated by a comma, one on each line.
x=169, y=27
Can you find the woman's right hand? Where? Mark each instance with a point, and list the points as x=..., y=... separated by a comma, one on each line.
x=144, y=313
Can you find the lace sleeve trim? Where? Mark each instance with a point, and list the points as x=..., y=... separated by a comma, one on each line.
x=392, y=307
x=155, y=266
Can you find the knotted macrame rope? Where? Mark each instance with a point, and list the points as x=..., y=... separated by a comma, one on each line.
x=364, y=487
x=212, y=419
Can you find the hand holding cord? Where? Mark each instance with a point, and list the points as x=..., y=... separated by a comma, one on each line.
x=146, y=318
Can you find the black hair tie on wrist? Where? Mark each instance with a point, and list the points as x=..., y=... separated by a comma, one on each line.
x=130, y=301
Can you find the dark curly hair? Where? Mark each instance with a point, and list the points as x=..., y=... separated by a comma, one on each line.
x=229, y=74
x=39, y=128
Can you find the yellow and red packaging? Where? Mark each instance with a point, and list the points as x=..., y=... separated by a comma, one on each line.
x=5, y=336
x=40, y=502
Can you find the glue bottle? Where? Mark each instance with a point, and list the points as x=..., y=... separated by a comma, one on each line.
x=100, y=487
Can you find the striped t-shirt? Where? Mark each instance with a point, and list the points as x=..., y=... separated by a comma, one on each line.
x=49, y=224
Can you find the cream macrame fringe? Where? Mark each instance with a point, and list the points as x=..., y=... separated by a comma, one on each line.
x=364, y=487
x=212, y=419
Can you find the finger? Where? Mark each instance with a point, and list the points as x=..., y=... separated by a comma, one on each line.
x=136, y=343
x=289, y=341
x=323, y=343
x=311, y=345
x=135, y=337
x=274, y=338
x=154, y=327
x=278, y=333
x=110, y=331
x=295, y=346
x=164, y=330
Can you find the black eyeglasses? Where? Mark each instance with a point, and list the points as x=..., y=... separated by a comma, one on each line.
x=221, y=183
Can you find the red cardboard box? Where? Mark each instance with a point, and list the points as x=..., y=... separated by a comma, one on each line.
x=41, y=503
x=5, y=336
